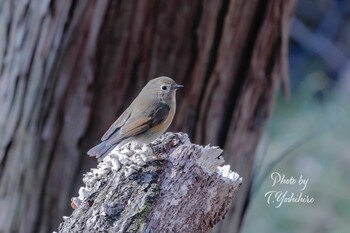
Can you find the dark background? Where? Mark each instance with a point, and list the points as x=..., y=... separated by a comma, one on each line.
x=309, y=133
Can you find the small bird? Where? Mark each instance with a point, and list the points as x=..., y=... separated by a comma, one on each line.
x=147, y=117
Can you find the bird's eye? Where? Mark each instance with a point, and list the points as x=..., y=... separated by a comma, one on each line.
x=164, y=88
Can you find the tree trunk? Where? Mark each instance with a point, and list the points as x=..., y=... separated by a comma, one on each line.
x=69, y=68
x=169, y=186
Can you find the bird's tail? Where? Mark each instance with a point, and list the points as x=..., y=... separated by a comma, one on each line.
x=100, y=151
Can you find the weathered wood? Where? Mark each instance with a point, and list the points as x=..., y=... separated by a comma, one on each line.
x=169, y=186
x=69, y=68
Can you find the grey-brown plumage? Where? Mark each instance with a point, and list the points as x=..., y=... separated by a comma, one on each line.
x=147, y=117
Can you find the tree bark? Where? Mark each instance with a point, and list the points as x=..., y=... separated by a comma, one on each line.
x=69, y=68
x=169, y=186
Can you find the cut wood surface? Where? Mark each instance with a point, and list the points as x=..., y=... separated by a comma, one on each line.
x=171, y=185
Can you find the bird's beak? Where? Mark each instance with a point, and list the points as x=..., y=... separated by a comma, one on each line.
x=177, y=86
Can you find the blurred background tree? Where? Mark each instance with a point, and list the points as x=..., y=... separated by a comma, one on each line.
x=309, y=134
x=69, y=68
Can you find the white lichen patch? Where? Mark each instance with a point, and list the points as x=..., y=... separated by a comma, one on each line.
x=211, y=161
x=124, y=159
x=116, y=165
x=184, y=189
x=127, y=159
x=92, y=220
x=225, y=172
x=174, y=202
x=131, y=153
x=210, y=158
x=82, y=193
x=139, y=161
x=131, y=169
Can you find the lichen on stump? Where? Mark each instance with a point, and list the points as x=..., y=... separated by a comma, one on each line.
x=170, y=185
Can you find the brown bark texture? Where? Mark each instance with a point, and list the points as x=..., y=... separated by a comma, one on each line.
x=69, y=68
x=169, y=186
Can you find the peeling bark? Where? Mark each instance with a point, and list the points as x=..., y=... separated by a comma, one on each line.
x=169, y=186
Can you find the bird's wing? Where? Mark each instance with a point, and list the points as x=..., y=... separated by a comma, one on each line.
x=135, y=126
x=122, y=119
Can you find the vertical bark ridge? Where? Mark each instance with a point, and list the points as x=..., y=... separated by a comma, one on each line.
x=210, y=66
x=242, y=71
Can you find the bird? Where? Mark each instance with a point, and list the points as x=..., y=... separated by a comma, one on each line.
x=147, y=117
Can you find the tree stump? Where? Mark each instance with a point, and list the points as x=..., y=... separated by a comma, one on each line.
x=170, y=185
